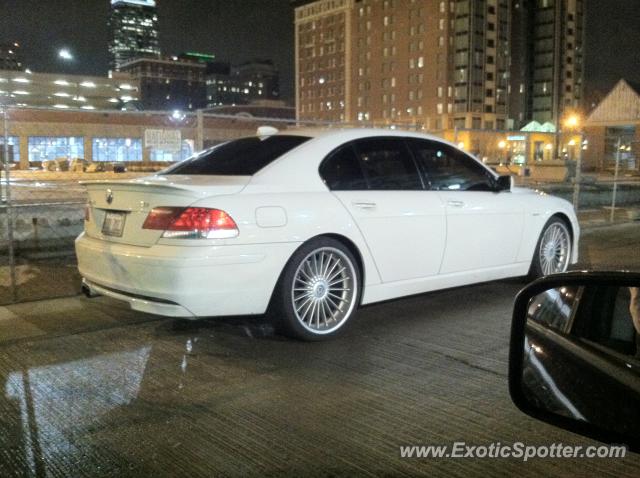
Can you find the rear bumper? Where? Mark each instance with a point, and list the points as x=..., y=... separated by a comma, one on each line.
x=139, y=303
x=184, y=281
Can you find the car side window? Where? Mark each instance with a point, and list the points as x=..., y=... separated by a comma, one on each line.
x=449, y=169
x=387, y=164
x=341, y=171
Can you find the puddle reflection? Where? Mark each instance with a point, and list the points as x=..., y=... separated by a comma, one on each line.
x=56, y=400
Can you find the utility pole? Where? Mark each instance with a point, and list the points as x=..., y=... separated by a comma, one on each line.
x=8, y=206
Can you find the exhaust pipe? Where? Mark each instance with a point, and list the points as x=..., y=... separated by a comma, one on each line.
x=87, y=291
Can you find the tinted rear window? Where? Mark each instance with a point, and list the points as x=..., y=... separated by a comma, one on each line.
x=242, y=157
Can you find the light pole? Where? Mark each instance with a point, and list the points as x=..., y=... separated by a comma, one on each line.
x=572, y=123
x=501, y=146
x=7, y=201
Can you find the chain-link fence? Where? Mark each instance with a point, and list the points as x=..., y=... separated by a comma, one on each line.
x=47, y=153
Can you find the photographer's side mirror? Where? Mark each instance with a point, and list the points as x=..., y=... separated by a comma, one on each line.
x=574, y=358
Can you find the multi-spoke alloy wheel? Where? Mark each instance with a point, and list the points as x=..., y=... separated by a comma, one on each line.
x=323, y=290
x=554, y=249
x=319, y=290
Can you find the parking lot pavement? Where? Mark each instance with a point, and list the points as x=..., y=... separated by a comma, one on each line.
x=91, y=388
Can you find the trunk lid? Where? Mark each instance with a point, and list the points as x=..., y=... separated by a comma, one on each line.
x=131, y=201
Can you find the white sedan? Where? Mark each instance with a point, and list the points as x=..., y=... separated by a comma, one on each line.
x=308, y=225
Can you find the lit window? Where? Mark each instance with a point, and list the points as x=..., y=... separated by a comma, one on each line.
x=117, y=149
x=172, y=156
x=52, y=147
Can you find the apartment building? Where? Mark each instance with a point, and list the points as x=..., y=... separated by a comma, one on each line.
x=547, y=51
x=434, y=63
x=481, y=64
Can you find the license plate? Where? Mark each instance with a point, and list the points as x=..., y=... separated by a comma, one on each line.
x=113, y=224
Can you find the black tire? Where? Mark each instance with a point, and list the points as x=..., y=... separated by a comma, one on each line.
x=537, y=268
x=297, y=291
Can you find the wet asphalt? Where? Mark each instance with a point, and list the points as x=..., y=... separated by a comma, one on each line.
x=90, y=388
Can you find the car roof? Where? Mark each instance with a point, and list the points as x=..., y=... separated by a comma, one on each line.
x=355, y=133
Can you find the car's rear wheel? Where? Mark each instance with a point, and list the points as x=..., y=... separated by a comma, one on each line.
x=553, y=250
x=318, y=291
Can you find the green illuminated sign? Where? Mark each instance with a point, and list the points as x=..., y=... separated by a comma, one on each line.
x=204, y=56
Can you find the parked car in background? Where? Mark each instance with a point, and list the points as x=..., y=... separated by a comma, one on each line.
x=79, y=165
x=310, y=224
x=93, y=168
x=115, y=167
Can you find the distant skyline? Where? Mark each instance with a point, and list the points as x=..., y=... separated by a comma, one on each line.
x=236, y=31
x=240, y=30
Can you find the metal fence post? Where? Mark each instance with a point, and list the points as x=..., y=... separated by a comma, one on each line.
x=615, y=179
x=199, y=130
x=578, y=177
x=8, y=205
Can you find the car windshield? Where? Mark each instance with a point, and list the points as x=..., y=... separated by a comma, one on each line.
x=242, y=157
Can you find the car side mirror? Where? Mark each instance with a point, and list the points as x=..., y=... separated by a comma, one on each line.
x=504, y=183
x=574, y=358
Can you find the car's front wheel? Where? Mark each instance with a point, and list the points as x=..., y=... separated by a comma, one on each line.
x=553, y=250
x=318, y=291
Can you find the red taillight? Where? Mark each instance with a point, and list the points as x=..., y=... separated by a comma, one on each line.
x=162, y=217
x=191, y=223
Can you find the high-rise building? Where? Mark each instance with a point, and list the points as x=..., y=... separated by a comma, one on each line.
x=133, y=30
x=169, y=83
x=323, y=50
x=435, y=63
x=548, y=59
x=261, y=78
x=252, y=81
x=481, y=64
x=10, y=56
x=479, y=44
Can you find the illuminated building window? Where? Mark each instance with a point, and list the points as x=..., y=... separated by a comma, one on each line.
x=53, y=147
x=172, y=156
x=117, y=149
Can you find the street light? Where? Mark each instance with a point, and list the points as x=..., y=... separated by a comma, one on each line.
x=65, y=54
x=178, y=115
x=572, y=123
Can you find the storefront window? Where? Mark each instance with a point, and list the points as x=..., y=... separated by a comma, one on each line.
x=117, y=149
x=624, y=136
x=14, y=142
x=538, y=151
x=53, y=147
x=173, y=156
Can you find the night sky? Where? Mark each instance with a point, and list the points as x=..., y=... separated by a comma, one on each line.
x=239, y=30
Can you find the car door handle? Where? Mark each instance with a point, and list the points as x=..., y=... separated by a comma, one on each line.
x=364, y=204
x=455, y=203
